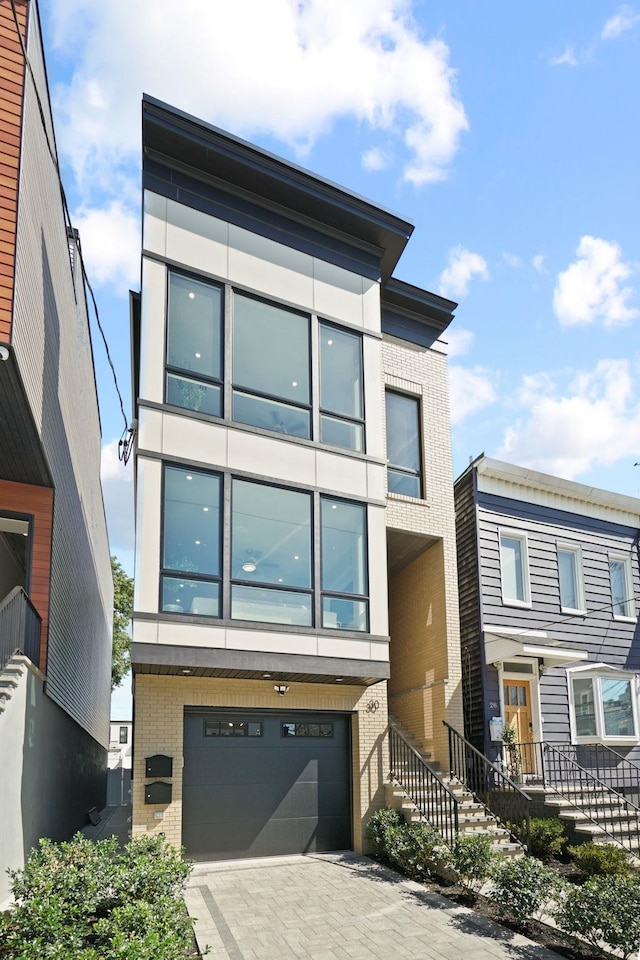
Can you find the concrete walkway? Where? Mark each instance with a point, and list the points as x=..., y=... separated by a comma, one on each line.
x=114, y=822
x=337, y=907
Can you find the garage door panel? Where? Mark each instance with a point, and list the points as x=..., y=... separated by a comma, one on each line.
x=268, y=795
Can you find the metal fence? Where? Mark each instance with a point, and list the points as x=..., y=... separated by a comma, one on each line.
x=20, y=626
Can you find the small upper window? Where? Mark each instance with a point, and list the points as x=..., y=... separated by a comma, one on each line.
x=404, y=473
x=622, y=588
x=194, y=345
x=124, y=734
x=514, y=567
x=570, y=578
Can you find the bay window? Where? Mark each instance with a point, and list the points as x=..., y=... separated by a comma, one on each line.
x=603, y=705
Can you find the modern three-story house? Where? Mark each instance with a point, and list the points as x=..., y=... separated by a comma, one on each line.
x=295, y=571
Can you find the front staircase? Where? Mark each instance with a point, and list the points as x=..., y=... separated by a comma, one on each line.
x=423, y=792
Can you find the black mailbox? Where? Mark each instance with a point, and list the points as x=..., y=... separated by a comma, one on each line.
x=159, y=766
x=157, y=792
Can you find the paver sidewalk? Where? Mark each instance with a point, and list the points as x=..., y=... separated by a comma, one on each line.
x=337, y=907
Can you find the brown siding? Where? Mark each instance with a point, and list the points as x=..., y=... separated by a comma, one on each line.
x=11, y=97
x=38, y=503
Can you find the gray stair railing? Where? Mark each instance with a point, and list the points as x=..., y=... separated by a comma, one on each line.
x=509, y=804
x=614, y=813
x=435, y=802
x=20, y=625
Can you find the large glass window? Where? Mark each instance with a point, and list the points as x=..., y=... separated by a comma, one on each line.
x=604, y=707
x=514, y=569
x=191, y=543
x=271, y=382
x=404, y=470
x=341, y=396
x=194, y=345
x=344, y=565
x=622, y=587
x=570, y=578
x=271, y=559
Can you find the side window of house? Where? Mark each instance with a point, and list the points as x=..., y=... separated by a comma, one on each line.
x=570, y=579
x=194, y=345
x=191, y=568
x=124, y=734
x=271, y=367
x=604, y=707
x=514, y=568
x=404, y=461
x=622, y=587
x=341, y=388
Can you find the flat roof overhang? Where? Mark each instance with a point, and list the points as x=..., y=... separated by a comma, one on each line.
x=502, y=645
x=174, y=660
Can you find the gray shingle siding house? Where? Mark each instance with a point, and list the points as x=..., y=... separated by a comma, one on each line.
x=549, y=582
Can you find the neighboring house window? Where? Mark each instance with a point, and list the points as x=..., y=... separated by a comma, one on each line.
x=344, y=565
x=622, y=587
x=404, y=467
x=190, y=581
x=570, y=578
x=275, y=575
x=341, y=389
x=514, y=566
x=604, y=706
x=194, y=345
x=124, y=734
x=271, y=562
x=271, y=367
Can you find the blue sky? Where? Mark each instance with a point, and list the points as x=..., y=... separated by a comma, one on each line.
x=507, y=132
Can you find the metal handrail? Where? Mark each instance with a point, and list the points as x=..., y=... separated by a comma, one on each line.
x=505, y=799
x=436, y=803
x=616, y=815
x=20, y=627
x=598, y=759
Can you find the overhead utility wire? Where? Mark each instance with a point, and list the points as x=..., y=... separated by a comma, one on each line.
x=125, y=444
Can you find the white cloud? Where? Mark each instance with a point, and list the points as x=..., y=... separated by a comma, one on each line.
x=459, y=342
x=538, y=262
x=624, y=19
x=375, y=159
x=463, y=266
x=511, y=259
x=282, y=68
x=470, y=391
x=567, y=59
x=590, y=289
x=110, y=240
x=594, y=421
x=117, y=492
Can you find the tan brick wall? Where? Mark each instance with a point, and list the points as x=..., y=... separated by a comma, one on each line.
x=426, y=673
x=159, y=723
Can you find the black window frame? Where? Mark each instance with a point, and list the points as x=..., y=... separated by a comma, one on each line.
x=397, y=468
x=174, y=369
x=339, y=594
x=327, y=411
x=123, y=735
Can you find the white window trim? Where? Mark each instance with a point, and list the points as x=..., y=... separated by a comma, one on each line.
x=597, y=672
x=625, y=559
x=526, y=585
x=577, y=552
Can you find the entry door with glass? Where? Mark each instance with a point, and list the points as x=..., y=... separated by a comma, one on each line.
x=517, y=713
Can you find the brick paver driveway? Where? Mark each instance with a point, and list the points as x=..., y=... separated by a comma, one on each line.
x=336, y=907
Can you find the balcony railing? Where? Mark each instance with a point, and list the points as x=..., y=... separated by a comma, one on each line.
x=20, y=626
x=505, y=799
x=436, y=803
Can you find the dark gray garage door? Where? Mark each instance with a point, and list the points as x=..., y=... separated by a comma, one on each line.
x=259, y=784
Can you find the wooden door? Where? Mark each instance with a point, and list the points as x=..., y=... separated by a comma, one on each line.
x=517, y=712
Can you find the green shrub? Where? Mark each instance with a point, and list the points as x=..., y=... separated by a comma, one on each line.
x=547, y=837
x=87, y=900
x=521, y=888
x=472, y=858
x=601, y=860
x=603, y=909
x=378, y=825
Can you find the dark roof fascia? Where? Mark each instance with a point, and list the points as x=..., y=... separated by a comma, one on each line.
x=414, y=314
x=134, y=321
x=181, y=141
